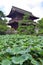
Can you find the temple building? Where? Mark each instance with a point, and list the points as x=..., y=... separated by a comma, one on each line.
x=16, y=14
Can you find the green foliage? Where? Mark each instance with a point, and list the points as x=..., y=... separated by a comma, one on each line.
x=40, y=26
x=21, y=50
x=3, y=26
x=6, y=62
x=40, y=23
x=28, y=28
x=25, y=18
x=1, y=15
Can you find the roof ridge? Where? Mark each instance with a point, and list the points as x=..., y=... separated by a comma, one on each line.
x=18, y=8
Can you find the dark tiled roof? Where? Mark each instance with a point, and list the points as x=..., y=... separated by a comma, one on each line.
x=19, y=10
x=13, y=9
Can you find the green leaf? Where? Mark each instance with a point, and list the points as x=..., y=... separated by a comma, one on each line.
x=20, y=50
x=16, y=50
x=21, y=59
x=41, y=52
x=34, y=62
x=41, y=60
x=6, y=62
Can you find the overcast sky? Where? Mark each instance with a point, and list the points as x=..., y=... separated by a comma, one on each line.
x=34, y=6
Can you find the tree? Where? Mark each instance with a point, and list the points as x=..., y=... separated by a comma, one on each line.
x=3, y=26
x=40, y=26
x=26, y=26
x=1, y=14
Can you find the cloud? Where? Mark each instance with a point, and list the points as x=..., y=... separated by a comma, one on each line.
x=34, y=6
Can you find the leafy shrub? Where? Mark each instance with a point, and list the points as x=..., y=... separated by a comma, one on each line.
x=40, y=26
x=27, y=27
x=3, y=26
x=21, y=50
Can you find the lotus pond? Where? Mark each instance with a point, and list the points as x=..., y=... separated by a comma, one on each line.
x=21, y=50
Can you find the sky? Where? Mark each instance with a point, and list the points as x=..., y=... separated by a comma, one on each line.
x=34, y=6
